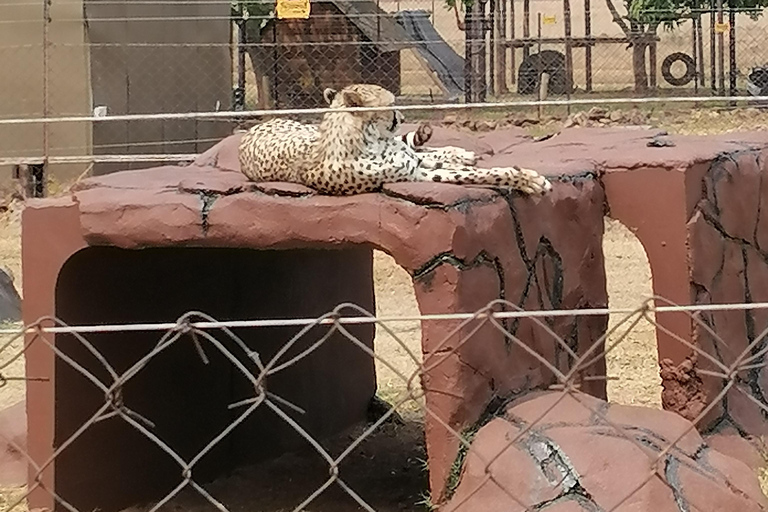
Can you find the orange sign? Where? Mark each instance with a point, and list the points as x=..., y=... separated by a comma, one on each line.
x=292, y=9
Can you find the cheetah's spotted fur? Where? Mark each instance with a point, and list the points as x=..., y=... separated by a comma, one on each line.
x=358, y=152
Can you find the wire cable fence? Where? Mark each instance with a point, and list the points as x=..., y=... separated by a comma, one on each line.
x=99, y=83
x=137, y=424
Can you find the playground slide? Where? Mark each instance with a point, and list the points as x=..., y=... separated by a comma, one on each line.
x=439, y=56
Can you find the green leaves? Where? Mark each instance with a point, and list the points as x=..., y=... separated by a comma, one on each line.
x=256, y=13
x=671, y=12
x=657, y=12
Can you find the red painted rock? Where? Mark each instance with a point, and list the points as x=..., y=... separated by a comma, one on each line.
x=578, y=453
x=463, y=246
x=13, y=444
x=729, y=264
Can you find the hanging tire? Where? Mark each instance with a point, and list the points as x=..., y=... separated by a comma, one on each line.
x=685, y=78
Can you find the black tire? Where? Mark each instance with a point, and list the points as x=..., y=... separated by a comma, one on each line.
x=758, y=77
x=690, y=69
x=551, y=62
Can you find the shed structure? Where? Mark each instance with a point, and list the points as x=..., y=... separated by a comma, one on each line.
x=130, y=57
x=342, y=42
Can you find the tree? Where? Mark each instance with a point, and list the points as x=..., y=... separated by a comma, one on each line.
x=644, y=17
x=640, y=26
x=252, y=16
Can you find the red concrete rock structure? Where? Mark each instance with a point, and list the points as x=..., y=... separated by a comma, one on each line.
x=585, y=454
x=147, y=246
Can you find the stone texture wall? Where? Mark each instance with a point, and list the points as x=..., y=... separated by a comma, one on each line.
x=728, y=240
x=464, y=247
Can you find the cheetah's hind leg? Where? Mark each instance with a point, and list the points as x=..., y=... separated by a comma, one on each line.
x=446, y=156
x=434, y=158
x=527, y=181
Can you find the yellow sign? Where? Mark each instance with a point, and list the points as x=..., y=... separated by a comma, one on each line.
x=549, y=20
x=721, y=28
x=292, y=9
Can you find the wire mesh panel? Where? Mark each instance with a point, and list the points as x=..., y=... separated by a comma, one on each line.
x=186, y=435
x=85, y=60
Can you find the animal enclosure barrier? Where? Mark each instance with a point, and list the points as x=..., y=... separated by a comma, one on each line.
x=526, y=446
x=170, y=63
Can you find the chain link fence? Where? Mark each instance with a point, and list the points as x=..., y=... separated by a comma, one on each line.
x=540, y=453
x=88, y=61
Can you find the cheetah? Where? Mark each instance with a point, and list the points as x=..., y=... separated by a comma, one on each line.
x=358, y=152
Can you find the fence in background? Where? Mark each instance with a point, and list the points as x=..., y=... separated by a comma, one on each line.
x=320, y=482
x=94, y=61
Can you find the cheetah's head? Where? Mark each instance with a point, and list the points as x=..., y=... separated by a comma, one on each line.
x=367, y=95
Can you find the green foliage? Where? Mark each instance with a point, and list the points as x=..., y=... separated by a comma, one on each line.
x=450, y=4
x=667, y=13
x=256, y=14
x=657, y=12
x=670, y=13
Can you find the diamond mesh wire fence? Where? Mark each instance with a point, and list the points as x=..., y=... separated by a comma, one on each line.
x=207, y=417
x=91, y=59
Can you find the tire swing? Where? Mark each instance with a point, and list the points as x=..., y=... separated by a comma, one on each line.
x=685, y=78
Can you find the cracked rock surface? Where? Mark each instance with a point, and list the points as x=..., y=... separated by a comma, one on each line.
x=463, y=246
x=587, y=455
x=467, y=246
x=728, y=234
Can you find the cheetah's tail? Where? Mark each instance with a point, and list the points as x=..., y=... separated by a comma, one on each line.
x=524, y=180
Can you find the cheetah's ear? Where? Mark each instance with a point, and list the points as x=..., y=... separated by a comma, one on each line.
x=329, y=94
x=352, y=99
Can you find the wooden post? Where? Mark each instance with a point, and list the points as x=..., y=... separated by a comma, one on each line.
x=526, y=26
x=712, y=55
x=482, y=49
x=652, y=64
x=242, y=41
x=512, y=51
x=695, y=54
x=491, y=86
x=540, y=70
x=732, y=51
x=588, y=47
x=720, y=50
x=474, y=62
x=700, y=36
x=568, y=49
x=499, y=49
x=468, y=55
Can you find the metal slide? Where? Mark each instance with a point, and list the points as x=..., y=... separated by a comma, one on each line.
x=439, y=56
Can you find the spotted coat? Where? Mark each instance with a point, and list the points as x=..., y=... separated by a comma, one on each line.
x=358, y=152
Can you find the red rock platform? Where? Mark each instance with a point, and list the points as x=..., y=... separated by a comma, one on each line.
x=149, y=245
x=144, y=246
